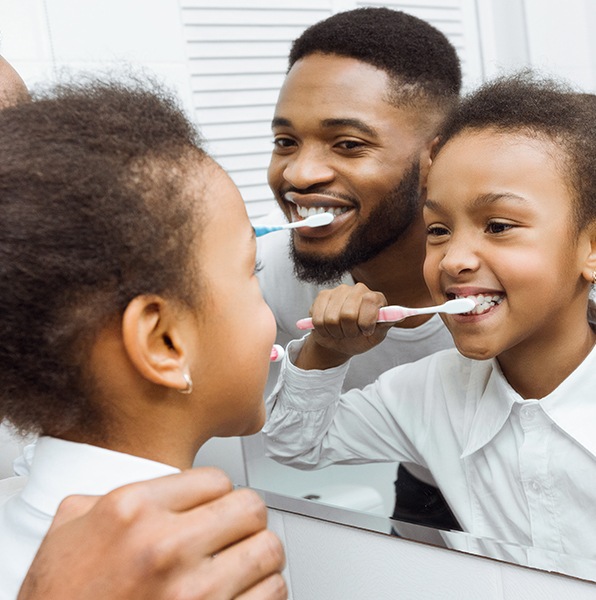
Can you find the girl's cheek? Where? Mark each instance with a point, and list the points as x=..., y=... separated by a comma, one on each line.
x=430, y=269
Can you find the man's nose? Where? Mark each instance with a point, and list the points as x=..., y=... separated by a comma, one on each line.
x=307, y=167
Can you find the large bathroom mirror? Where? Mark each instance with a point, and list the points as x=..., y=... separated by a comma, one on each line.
x=579, y=567
x=227, y=60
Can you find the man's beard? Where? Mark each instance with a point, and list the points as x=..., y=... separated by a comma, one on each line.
x=388, y=221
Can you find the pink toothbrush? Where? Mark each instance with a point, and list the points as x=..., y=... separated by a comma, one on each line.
x=393, y=314
x=277, y=353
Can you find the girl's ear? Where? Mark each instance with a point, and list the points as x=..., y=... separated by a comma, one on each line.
x=154, y=341
x=589, y=268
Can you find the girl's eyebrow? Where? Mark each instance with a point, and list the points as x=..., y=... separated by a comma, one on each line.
x=491, y=198
x=432, y=205
x=478, y=202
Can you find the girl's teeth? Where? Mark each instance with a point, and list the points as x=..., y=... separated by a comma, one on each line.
x=483, y=303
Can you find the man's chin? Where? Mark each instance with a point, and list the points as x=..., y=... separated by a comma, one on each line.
x=320, y=271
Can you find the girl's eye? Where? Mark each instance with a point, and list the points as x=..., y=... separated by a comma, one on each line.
x=436, y=231
x=258, y=267
x=498, y=227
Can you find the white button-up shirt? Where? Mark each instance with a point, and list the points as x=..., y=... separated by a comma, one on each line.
x=59, y=469
x=521, y=471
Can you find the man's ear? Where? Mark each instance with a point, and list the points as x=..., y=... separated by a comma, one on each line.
x=152, y=337
x=426, y=159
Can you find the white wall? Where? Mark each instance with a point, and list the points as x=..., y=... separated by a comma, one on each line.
x=553, y=36
x=561, y=38
x=44, y=38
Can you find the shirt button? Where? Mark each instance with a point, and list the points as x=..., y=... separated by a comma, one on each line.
x=535, y=486
x=528, y=412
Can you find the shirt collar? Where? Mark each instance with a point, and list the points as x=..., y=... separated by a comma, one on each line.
x=571, y=406
x=62, y=468
x=490, y=398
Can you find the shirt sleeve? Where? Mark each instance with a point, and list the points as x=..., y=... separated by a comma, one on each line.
x=311, y=424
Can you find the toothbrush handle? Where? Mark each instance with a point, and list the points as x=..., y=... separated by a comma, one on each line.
x=387, y=314
x=393, y=314
x=305, y=324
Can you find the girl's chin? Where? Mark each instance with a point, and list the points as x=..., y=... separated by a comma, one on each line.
x=475, y=353
x=256, y=424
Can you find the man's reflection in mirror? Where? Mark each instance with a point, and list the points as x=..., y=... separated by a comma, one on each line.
x=354, y=127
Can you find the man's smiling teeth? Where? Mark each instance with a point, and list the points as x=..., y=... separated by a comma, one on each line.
x=308, y=212
x=483, y=302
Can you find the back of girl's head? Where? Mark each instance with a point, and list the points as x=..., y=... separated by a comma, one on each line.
x=546, y=110
x=95, y=211
x=418, y=59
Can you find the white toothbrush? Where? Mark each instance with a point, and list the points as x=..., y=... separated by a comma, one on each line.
x=317, y=220
x=393, y=314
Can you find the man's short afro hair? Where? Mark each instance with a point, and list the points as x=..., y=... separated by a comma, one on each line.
x=408, y=49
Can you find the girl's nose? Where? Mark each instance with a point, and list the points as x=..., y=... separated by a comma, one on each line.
x=459, y=257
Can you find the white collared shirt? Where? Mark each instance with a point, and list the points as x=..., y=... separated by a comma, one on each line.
x=522, y=471
x=59, y=469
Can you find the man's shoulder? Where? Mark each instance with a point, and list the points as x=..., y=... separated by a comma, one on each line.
x=282, y=290
x=275, y=261
x=275, y=245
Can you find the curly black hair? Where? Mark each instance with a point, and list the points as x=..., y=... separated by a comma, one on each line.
x=96, y=209
x=543, y=108
x=419, y=60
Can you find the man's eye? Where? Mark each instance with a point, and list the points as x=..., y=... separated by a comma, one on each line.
x=350, y=144
x=258, y=267
x=283, y=142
